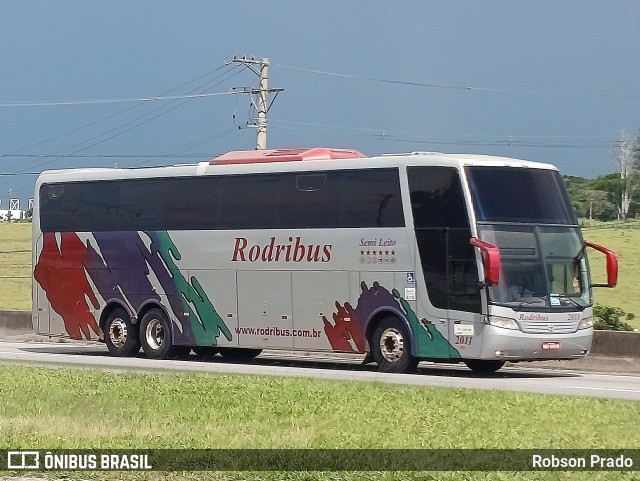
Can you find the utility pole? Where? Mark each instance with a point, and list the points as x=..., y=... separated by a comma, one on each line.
x=261, y=69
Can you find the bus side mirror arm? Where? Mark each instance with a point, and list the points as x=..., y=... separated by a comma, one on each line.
x=612, y=265
x=490, y=259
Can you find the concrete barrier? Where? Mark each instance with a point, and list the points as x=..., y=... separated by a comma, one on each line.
x=616, y=343
x=605, y=343
x=15, y=322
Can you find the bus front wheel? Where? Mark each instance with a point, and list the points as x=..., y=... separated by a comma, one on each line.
x=120, y=335
x=155, y=335
x=477, y=365
x=391, y=346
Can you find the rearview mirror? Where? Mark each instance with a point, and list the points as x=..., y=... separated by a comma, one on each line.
x=490, y=259
x=612, y=265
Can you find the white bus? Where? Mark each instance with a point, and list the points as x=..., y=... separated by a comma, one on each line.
x=409, y=257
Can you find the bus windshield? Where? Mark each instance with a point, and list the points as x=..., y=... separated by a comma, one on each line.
x=542, y=266
x=521, y=195
x=526, y=213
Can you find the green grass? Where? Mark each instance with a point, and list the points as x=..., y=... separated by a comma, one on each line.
x=205, y=411
x=625, y=242
x=44, y=408
x=15, y=267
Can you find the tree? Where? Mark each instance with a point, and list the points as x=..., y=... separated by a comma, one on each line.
x=627, y=162
x=613, y=186
x=597, y=205
x=576, y=188
x=592, y=199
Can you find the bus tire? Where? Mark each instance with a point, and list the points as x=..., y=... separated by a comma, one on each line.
x=155, y=335
x=480, y=366
x=120, y=335
x=391, y=346
x=239, y=353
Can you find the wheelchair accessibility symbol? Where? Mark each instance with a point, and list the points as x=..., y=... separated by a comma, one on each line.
x=411, y=278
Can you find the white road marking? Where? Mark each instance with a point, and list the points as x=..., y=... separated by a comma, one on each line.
x=602, y=389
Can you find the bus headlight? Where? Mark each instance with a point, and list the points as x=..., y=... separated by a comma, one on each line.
x=586, y=323
x=503, y=322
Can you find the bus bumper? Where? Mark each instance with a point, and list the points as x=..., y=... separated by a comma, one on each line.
x=512, y=345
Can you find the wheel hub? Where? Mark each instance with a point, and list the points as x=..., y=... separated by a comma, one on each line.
x=118, y=332
x=154, y=334
x=391, y=345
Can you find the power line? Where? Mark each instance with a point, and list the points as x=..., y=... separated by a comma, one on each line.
x=120, y=112
x=104, y=156
x=386, y=132
x=201, y=141
x=466, y=88
x=141, y=119
x=418, y=138
x=57, y=103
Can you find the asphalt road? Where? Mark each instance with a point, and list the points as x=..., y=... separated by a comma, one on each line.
x=338, y=367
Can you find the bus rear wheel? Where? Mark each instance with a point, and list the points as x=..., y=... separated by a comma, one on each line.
x=391, y=346
x=120, y=335
x=239, y=353
x=477, y=365
x=155, y=335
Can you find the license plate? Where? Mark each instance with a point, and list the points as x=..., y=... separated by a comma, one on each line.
x=550, y=345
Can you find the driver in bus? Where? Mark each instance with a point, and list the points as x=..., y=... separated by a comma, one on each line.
x=517, y=290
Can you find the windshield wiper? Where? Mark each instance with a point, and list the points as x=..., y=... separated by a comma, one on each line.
x=572, y=301
x=525, y=301
x=529, y=302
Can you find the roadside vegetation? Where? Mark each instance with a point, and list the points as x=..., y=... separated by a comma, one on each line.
x=15, y=266
x=624, y=240
x=43, y=408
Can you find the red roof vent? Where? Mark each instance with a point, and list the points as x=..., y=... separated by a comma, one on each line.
x=284, y=155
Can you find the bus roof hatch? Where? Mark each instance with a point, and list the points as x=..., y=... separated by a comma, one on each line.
x=284, y=155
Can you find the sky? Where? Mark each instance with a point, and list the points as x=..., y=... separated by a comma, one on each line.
x=552, y=81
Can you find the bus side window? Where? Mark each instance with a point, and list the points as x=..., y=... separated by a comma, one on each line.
x=310, y=182
x=58, y=204
x=371, y=198
x=309, y=201
x=137, y=210
x=442, y=233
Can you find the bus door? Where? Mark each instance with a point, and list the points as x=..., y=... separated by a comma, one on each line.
x=464, y=305
x=447, y=259
x=452, y=301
